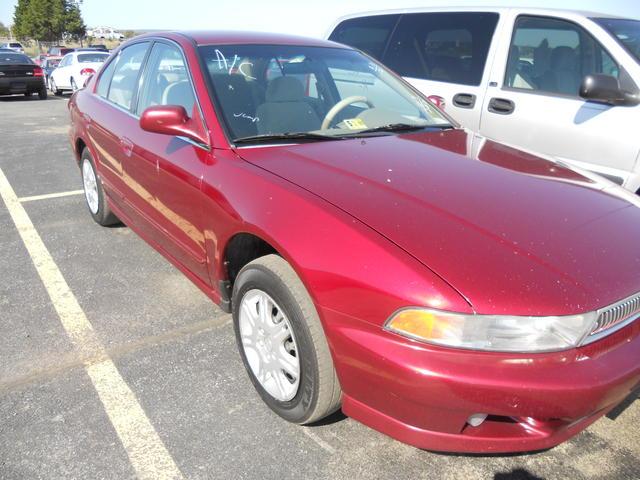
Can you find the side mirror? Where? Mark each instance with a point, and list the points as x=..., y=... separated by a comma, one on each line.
x=172, y=120
x=602, y=88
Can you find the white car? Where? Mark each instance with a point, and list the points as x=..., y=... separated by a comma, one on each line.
x=74, y=70
x=560, y=84
x=106, y=33
x=15, y=46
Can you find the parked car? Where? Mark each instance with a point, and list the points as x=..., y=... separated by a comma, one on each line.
x=15, y=46
x=105, y=33
x=18, y=74
x=49, y=64
x=59, y=51
x=455, y=295
x=99, y=46
x=557, y=83
x=74, y=69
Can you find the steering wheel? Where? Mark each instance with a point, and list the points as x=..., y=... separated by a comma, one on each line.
x=341, y=105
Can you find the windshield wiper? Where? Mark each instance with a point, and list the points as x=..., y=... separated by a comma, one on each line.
x=285, y=136
x=401, y=127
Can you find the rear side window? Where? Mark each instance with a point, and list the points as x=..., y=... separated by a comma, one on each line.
x=124, y=82
x=369, y=34
x=553, y=55
x=105, y=79
x=444, y=47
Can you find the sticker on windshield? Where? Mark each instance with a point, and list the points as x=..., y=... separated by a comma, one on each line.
x=354, y=123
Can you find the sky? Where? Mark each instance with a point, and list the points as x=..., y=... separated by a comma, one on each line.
x=287, y=16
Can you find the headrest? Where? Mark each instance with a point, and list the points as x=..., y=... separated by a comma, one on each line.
x=285, y=89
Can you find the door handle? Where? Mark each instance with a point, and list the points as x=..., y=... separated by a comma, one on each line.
x=501, y=106
x=126, y=145
x=464, y=100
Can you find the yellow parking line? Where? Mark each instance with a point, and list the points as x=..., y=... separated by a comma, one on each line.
x=147, y=454
x=50, y=195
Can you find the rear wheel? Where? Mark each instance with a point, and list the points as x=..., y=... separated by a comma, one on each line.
x=94, y=193
x=282, y=342
x=42, y=94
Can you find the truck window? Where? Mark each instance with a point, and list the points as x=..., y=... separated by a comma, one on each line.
x=553, y=55
x=445, y=47
x=369, y=34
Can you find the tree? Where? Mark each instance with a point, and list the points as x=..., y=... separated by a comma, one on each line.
x=48, y=20
x=21, y=28
x=4, y=31
x=74, y=25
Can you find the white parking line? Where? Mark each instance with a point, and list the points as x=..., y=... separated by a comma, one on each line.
x=50, y=195
x=147, y=454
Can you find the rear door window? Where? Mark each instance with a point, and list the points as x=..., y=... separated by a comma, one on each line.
x=105, y=79
x=369, y=34
x=445, y=47
x=124, y=83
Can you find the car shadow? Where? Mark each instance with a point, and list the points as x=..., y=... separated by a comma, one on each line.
x=21, y=98
x=622, y=406
x=517, y=474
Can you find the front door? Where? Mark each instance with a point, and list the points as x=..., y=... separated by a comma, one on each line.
x=169, y=169
x=533, y=102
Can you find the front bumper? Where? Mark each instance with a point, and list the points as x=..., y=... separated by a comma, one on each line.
x=423, y=395
x=15, y=85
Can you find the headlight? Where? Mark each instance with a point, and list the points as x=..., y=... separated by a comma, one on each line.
x=492, y=332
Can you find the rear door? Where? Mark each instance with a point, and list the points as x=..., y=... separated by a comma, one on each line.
x=112, y=119
x=533, y=102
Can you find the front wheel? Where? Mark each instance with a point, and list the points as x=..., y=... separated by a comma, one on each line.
x=282, y=342
x=94, y=193
x=54, y=88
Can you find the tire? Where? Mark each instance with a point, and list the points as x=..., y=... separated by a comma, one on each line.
x=318, y=393
x=95, y=198
x=54, y=88
x=43, y=94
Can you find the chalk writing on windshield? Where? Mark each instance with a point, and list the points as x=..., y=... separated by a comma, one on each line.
x=244, y=67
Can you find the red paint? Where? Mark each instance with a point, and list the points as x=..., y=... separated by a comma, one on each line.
x=373, y=225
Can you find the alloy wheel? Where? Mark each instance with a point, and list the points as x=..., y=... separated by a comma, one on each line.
x=269, y=345
x=90, y=184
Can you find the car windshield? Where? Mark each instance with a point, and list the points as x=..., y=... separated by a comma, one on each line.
x=13, y=59
x=53, y=63
x=272, y=91
x=92, y=57
x=626, y=32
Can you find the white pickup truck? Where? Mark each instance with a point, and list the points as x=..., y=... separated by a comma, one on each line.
x=561, y=84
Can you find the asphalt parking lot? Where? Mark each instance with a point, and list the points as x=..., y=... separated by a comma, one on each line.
x=166, y=396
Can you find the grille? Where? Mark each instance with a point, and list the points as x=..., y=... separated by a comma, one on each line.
x=616, y=314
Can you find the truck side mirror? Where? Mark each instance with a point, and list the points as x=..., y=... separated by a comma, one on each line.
x=602, y=88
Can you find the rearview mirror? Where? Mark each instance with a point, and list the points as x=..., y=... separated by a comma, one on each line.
x=606, y=89
x=171, y=120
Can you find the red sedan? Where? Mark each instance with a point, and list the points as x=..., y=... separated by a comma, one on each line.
x=447, y=290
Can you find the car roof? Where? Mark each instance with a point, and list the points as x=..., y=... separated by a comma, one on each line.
x=497, y=9
x=247, y=38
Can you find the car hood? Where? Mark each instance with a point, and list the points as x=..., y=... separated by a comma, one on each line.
x=513, y=233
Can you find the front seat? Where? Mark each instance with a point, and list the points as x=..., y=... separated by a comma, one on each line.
x=179, y=93
x=285, y=109
x=563, y=76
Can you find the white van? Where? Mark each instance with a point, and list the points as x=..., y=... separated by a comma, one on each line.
x=562, y=84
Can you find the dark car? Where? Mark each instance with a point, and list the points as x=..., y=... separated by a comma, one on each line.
x=99, y=46
x=18, y=74
x=450, y=291
x=59, y=51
